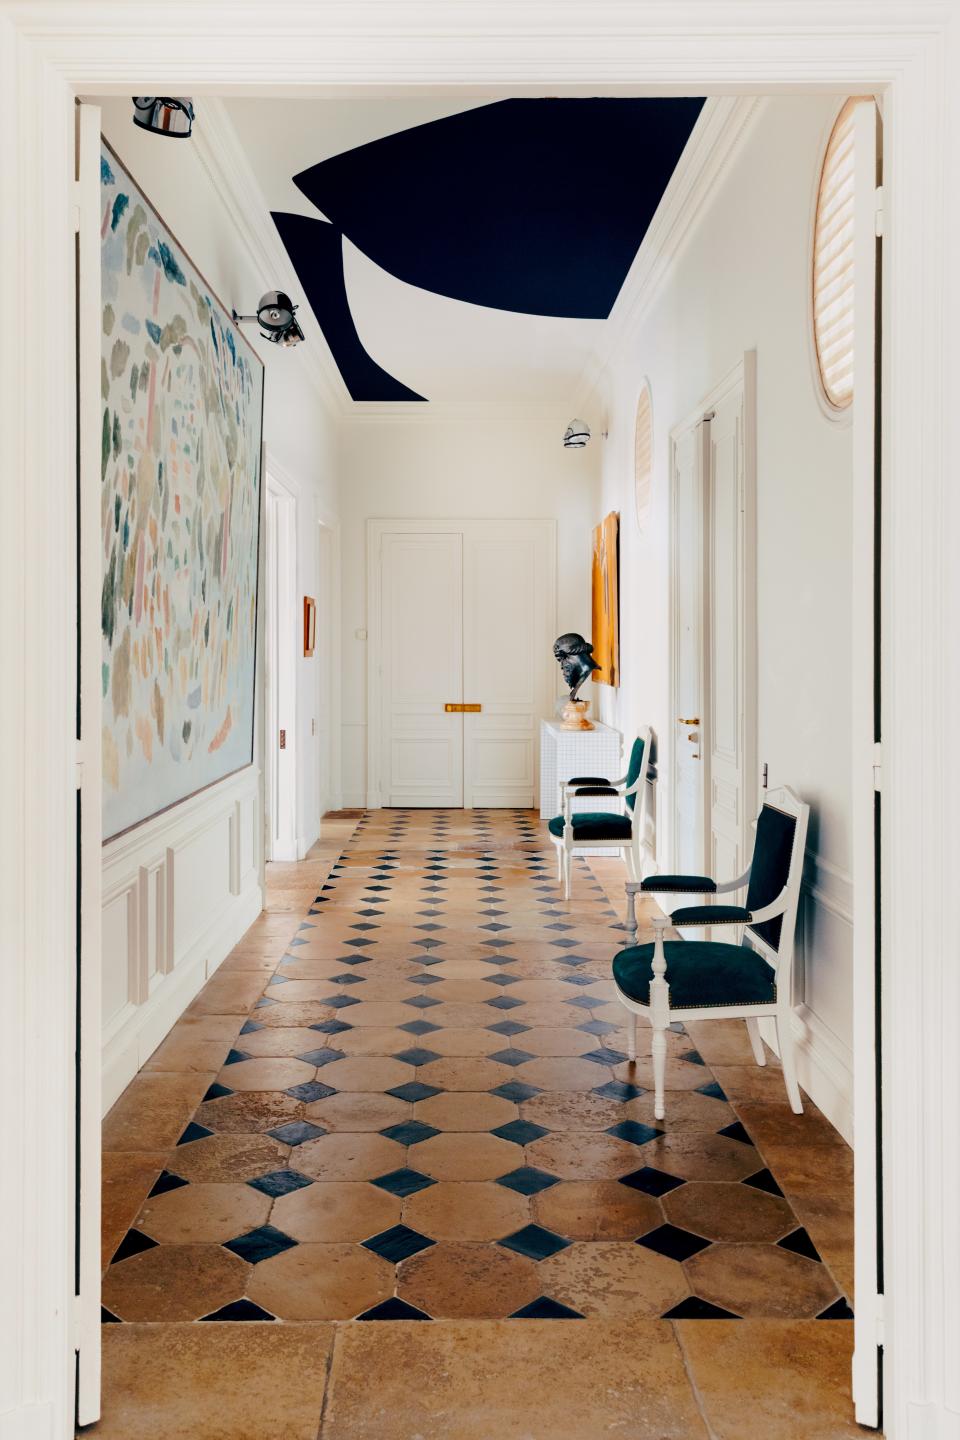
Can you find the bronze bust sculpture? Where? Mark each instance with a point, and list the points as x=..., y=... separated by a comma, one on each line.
x=575, y=656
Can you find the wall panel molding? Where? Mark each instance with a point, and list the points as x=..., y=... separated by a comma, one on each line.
x=198, y=863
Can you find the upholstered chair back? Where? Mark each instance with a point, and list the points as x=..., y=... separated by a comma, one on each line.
x=778, y=855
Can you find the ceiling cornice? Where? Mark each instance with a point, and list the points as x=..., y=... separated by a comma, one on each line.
x=402, y=412
x=718, y=135
x=225, y=161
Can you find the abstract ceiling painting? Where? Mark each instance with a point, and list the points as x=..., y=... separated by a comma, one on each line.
x=534, y=207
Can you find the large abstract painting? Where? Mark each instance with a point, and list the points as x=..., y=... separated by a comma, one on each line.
x=606, y=600
x=182, y=396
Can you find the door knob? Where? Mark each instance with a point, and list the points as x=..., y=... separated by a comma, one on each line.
x=458, y=708
x=693, y=737
x=694, y=721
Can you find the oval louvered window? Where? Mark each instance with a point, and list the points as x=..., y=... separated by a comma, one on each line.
x=833, y=263
x=643, y=456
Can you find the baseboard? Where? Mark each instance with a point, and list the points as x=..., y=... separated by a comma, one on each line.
x=127, y=1052
x=305, y=844
x=28, y=1422
x=824, y=1067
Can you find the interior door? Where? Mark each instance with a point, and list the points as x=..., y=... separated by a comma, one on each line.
x=422, y=668
x=504, y=599
x=730, y=696
x=282, y=629
x=690, y=779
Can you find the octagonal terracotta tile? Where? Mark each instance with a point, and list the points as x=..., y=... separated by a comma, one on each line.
x=453, y=1281
x=345, y=1155
x=366, y=1072
x=465, y=1073
x=287, y=1041
x=249, y=1112
x=701, y=1157
x=213, y=1212
x=572, y=1110
x=358, y=1110
x=754, y=1280
x=465, y=1110
x=228, y=1157
x=560, y=1072
x=611, y=1281
x=470, y=1156
x=336, y=1211
x=473, y=1040
x=588, y=1155
x=466, y=1211
x=266, y=1074
x=726, y=1211
x=174, y=1282
x=596, y=1210
x=321, y=1282
x=686, y=1111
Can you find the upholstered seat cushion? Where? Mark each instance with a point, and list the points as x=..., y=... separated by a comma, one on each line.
x=695, y=884
x=711, y=915
x=593, y=825
x=701, y=974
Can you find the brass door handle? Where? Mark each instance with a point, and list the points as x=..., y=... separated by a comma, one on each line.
x=694, y=721
x=455, y=707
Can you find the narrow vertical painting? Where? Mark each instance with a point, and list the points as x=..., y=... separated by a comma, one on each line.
x=606, y=600
x=182, y=401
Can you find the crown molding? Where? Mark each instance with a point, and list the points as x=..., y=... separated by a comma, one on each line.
x=719, y=134
x=222, y=156
x=433, y=412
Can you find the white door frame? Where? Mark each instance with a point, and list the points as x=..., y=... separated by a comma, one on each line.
x=376, y=529
x=283, y=625
x=905, y=49
x=743, y=374
x=327, y=697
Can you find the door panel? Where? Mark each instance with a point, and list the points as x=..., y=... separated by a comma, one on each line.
x=504, y=599
x=689, y=779
x=422, y=668
x=724, y=735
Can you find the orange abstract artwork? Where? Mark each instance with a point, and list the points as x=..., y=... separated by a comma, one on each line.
x=606, y=600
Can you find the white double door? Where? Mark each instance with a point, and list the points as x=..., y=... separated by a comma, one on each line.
x=463, y=659
x=714, y=631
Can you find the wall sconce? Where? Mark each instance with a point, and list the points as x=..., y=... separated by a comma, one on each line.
x=164, y=115
x=276, y=316
x=576, y=435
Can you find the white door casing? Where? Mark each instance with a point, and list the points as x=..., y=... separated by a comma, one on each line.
x=689, y=762
x=730, y=702
x=421, y=663
x=865, y=780
x=282, y=629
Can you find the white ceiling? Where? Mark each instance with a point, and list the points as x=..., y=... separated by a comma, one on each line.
x=444, y=349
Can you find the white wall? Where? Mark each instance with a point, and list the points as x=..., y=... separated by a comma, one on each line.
x=497, y=463
x=742, y=282
x=180, y=890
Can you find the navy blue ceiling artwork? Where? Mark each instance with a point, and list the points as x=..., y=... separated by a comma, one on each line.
x=537, y=207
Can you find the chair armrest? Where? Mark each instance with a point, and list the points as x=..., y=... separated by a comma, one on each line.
x=678, y=884
x=576, y=780
x=776, y=907
x=711, y=915
x=597, y=790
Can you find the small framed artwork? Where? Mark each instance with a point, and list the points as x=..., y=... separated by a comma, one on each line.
x=309, y=624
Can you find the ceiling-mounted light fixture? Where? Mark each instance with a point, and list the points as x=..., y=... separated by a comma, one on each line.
x=164, y=115
x=277, y=317
x=576, y=435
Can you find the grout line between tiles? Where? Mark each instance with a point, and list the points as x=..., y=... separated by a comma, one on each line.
x=694, y=1387
x=327, y=1382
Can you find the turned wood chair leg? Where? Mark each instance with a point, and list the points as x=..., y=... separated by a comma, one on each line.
x=789, y=1061
x=631, y=1035
x=756, y=1043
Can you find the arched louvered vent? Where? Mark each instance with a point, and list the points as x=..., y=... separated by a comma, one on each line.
x=833, y=263
x=643, y=456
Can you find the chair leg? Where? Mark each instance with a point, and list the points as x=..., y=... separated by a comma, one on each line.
x=753, y=1030
x=658, y=1046
x=567, y=859
x=631, y=1035
x=559, y=864
x=630, y=861
x=789, y=1062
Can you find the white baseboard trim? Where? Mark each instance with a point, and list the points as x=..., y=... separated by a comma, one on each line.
x=136, y=1041
x=824, y=1067
x=27, y=1422
x=305, y=844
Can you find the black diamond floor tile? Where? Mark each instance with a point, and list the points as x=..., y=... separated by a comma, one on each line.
x=398, y=1243
x=310, y=1090
x=764, y=1181
x=296, y=1132
x=133, y=1243
x=260, y=1244
x=394, y=1309
x=528, y=1180
x=619, y=1090
x=799, y=1243
x=535, y=1242
x=516, y=1091
x=324, y=1056
x=280, y=1182
x=404, y=1182
x=166, y=1182
x=520, y=1132
x=634, y=1131
x=512, y=1056
x=414, y=1090
x=409, y=1132
x=240, y=1310
x=693, y=1308
x=673, y=1242
x=652, y=1181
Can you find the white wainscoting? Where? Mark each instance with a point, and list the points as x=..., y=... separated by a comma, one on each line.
x=823, y=1001
x=178, y=892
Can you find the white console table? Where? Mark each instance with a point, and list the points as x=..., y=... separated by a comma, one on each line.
x=565, y=753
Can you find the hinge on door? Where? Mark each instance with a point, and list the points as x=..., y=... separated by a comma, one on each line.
x=283, y=739
x=878, y=211
x=78, y=767
x=877, y=765
x=879, y=1311
x=75, y=206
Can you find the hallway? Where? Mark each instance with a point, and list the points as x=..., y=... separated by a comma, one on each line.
x=404, y=1097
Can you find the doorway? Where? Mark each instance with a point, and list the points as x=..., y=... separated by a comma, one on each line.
x=713, y=628
x=280, y=657
x=462, y=623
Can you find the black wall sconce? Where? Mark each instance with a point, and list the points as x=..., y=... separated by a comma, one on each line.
x=277, y=317
x=170, y=115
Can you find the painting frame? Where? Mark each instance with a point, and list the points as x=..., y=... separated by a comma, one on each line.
x=605, y=598
x=237, y=342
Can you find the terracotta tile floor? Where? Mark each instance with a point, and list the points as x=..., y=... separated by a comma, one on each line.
x=405, y=1097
